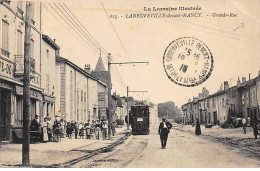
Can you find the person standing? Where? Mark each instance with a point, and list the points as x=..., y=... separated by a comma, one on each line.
x=88, y=128
x=76, y=129
x=244, y=124
x=69, y=130
x=113, y=127
x=81, y=130
x=104, y=129
x=44, y=130
x=164, y=130
x=98, y=129
x=197, y=128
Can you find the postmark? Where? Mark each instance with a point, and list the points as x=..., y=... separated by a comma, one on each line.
x=188, y=62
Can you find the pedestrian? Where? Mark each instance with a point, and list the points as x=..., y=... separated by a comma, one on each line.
x=57, y=129
x=81, y=130
x=76, y=129
x=93, y=126
x=49, y=129
x=255, y=129
x=98, y=129
x=62, y=122
x=197, y=128
x=164, y=130
x=69, y=130
x=88, y=128
x=244, y=124
x=104, y=129
x=113, y=128
x=44, y=130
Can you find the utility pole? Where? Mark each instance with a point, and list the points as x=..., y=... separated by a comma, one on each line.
x=127, y=108
x=109, y=96
x=128, y=118
x=26, y=88
x=249, y=97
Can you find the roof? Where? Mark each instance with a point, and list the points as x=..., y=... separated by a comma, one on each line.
x=48, y=40
x=100, y=65
x=64, y=60
x=101, y=75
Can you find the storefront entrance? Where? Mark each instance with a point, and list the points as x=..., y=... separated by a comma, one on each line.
x=5, y=108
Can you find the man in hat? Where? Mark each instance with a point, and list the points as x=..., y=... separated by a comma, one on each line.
x=35, y=125
x=164, y=130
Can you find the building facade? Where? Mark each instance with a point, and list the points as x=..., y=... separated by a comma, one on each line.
x=12, y=29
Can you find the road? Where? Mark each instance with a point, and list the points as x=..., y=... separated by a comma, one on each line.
x=183, y=151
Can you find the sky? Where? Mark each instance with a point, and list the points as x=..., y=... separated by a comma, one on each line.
x=233, y=42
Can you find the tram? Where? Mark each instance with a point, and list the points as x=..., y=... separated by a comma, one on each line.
x=139, y=119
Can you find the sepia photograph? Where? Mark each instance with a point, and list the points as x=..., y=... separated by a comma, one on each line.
x=129, y=84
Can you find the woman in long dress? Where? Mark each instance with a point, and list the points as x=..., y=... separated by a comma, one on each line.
x=44, y=130
x=197, y=129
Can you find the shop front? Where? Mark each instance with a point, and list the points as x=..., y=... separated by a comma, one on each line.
x=5, y=110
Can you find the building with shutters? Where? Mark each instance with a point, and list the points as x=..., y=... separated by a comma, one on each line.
x=12, y=29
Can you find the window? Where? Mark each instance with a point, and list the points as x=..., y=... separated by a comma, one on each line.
x=254, y=97
x=208, y=105
x=19, y=110
x=19, y=42
x=5, y=37
x=243, y=99
x=47, y=83
x=223, y=102
x=213, y=103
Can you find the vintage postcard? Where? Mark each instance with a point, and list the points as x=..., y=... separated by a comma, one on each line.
x=130, y=84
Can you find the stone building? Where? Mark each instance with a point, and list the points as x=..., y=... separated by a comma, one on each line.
x=12, y=30
x=49, y=51
x=77, y=92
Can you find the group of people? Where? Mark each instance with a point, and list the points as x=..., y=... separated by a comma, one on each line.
x=46, y=131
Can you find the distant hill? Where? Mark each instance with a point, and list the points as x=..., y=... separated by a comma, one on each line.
x=170, y=108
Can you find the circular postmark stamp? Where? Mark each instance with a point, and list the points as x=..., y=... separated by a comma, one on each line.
x=188, y=61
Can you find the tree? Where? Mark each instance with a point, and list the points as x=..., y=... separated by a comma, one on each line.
x=168, y=109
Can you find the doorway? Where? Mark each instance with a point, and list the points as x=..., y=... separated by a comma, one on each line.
x=215, y=118
x=5, y=108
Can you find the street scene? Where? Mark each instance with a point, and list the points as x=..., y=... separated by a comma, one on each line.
x=111, y=84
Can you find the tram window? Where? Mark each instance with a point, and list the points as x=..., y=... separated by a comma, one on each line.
x=145, y=112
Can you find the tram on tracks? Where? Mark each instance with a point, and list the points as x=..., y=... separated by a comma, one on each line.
x=139, y=119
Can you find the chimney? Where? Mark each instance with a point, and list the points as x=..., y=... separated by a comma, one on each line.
x=238, y=82
x=87, y=68
x=226, y=85
x=259, y=73
x=243, y=79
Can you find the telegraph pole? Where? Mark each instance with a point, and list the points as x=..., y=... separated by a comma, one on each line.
x=128, y=118
x=109, y=96
x=26, y=88
x=127, y=108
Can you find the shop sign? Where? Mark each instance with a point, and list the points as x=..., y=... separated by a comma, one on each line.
x=6, y=68
x=33, y=94
x=5, y=85
x=49, y=99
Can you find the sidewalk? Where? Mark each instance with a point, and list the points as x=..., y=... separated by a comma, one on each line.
x=51, y=153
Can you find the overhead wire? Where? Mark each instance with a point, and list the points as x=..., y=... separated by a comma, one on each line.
x=71, y=27
x=92, y=40
x=85, y=29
